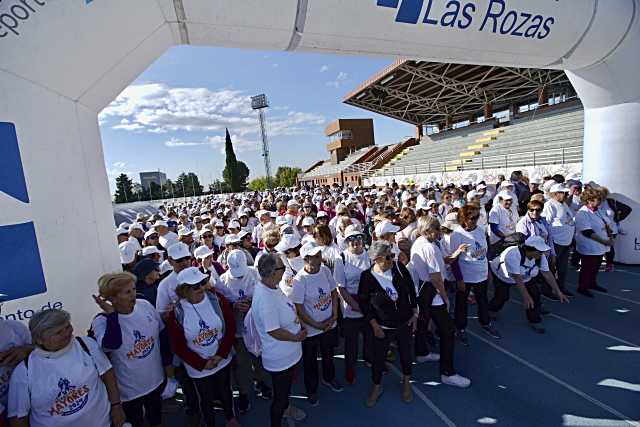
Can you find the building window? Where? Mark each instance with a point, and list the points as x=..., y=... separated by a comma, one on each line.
x=341, y=134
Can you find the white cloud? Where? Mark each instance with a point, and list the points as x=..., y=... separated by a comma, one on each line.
x=174, y=142
x=115, y=170
x=157, y=108
x=324, y=68
x=340, y=79
x=240, y=145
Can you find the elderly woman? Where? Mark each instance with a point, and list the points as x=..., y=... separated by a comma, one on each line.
x=559, y=216
x=128, y=330
x=323, y=238
x=594, y=238
x=387, y=299
x=502, y=217
x=65, y=381
x=347, y=271
x=316, y=299
x=427, y=259
x=289, y=248
x=202, y=331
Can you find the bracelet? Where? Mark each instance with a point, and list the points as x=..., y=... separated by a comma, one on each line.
x=116, y=404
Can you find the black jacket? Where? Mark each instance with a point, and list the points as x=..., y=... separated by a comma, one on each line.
x=375, y=303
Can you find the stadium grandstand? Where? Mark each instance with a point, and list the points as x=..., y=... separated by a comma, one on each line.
x=474, y=121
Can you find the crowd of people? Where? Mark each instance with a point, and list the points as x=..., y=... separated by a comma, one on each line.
x=241, y=291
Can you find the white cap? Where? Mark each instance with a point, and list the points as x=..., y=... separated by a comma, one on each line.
x=506, y=184
x=184, y=231
x=165, y=266
x=136, y=226
x=242, y=234
x=288, y=241
x=451, y=221
x=218, y=224
x=150, y=232
x=535, y=180
x=178, y=251
x=231, y=239
x=458, y=204
x=538, y=243
x=480, y=186
x=308, y=221
x=121, y=230
x=505, y=195
x=202, y=252
x=127, y=252
x=150, y=250
x=352, y=230
x=431, y=203
x=234, y=224
x=471, y=194
x=160, y=223
x=191, y=276
x=558, y=188
x=385, y=227
x=237, y=262
x=322, y=214
x=310, y=249
x=292, y=202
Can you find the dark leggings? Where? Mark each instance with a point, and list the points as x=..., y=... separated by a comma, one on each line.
x=609, y=256
x=281, y=382
x=461, y=309
x=402, y=336
x=352, y=329
x=589, y=266
x=501, y=296
x=323, y=343
x=147, y=407
x=215, y=387
x=444, y=326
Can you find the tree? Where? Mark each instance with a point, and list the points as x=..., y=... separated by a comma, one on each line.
x=286, y=176
x=187, y=185
x=155, y=190
x=219, y=187
x=124, y=189
x=235, y=173
x=258, y=184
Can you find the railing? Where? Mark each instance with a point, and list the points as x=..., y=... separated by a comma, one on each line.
x=532, y=158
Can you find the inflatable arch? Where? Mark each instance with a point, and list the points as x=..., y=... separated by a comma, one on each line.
x=62, y=61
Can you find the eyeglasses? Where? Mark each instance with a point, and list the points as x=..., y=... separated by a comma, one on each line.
x=535, y=210
x=352, y=239
x=207, y=236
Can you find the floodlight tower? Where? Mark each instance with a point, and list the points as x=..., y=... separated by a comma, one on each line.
x=259, y=102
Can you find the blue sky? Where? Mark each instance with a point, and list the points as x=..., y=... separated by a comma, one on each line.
x=173, y=116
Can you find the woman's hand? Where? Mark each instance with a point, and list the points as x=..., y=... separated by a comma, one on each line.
x=213, y=362
x=527, y=301
x=413, y=323
x=377, y=330
x=461, y=249
x=105, y=305
x=118, y=417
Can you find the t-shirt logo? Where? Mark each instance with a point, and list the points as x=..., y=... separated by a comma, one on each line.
x=241, y=295
x=206, y=336
x=391, y=292
x=70, y=399
x=324, y=300
x=142, y=346
x=479, y=252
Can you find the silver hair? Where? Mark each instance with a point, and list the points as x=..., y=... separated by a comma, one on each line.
x=379, y=248
x=426, y=223
x=43, y=322
x=267, y=263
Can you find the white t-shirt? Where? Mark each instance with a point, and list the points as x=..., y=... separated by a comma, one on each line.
x=506, y=220
x=314, y=292
x=560, y=218
x=586, y=219
x=446, y=248
x=385, y=280
x=292, y=266
x=473, y=263
x=137, y=363
x=203, y=332
x=167, y=292
x=510, y=262
x=62, y=391
x=348, y=277
x=272, y=310
x=12, y=334
x=240, y=289
x=427, y=258
x=330, y=252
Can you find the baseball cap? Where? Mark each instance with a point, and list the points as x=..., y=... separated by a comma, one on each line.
x=150, y=250
x=234, y=224
x=385, y=227
x=558, y=188
x=121, y=230
x=160, y=223
x=292, y=202
x=136, y=226
x=178, y=251
x=480, y=187
x=237, y=262
x=127, y=252
x=431, y=203
x=352, y=230
x=242, y=234
x=231, y=239
x=288, y=241
x=535, y=180
x=471, y=194
x=538, y=243
x=310, y=249
x=451, y=221
x=150, y=232
x=322, y=214
x=505, y=195
x=184, y=231
x=191, y=276
x=202, y=252
x=308, y=221
x=506, y=184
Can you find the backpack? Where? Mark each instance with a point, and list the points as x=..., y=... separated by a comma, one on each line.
x=251, y=337
x=496, y=249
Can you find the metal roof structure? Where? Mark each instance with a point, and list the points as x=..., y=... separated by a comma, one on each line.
x=423, y=92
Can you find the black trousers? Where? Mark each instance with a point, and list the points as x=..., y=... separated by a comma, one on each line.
x=282, y=382
x=562, y=263
x=482, y=302
x=501, y=296
x=212, y=388
x=352, y=329
x=444, y=326
x=192, y=406
x=402, y=336
x=147, y=407
x=324, y=344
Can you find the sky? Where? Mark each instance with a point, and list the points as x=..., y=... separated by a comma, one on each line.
x=173, y=116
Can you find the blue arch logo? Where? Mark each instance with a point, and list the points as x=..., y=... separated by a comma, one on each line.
x=21, y=274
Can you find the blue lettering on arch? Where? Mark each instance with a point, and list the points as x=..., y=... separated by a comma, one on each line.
x=21, y=274
x=409, y=11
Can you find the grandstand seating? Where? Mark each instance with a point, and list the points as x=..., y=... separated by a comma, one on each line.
x=327, y=168
x=540, y=138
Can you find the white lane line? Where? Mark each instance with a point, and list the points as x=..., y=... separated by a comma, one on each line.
x=617, y=297
x=558, y=381
x=425, y=399
x=585, y=327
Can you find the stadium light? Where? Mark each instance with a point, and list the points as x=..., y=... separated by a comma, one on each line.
x=260, y=103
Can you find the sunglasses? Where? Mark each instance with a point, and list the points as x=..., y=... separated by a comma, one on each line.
x=352, y=239
x=152, y=237
x=207, y=236
x=535, y=210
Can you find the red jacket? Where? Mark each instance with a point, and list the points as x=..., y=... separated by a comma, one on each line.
x=179, y=343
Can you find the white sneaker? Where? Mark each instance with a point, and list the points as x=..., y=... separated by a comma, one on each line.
x=456, y=380
x=294, y=413
x=431, y=357
x=170, y=389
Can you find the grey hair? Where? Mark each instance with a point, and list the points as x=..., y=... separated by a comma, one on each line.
x=43, y=322
x=379, y=248
x=426, y=223
x=267, y=263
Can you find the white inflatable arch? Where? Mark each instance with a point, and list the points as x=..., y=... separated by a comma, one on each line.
x=62, y=61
